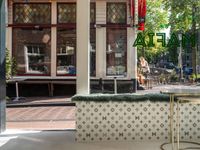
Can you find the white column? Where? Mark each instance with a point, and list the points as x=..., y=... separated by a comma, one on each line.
x=9, y=40
x=83, y=47
x=9, y=30
x=100, y=39
x=101, y=52
x=132, y=51
x=53, y=39
x=131, y=54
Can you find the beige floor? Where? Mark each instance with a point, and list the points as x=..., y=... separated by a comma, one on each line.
x=65, y=140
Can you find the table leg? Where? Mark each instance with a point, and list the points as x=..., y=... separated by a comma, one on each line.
x=17, y=91
x=173, y=141
x=170, y=116
x=172, y=120
x=178, y=126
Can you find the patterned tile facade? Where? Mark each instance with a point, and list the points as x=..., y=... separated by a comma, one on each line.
x=120, y=121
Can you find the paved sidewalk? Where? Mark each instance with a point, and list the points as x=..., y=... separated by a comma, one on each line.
x=158, y=88
x=42, y=100
x=41, y=118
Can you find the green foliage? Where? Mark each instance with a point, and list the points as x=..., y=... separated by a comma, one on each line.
x=184, y=17
x=10, y=66
x=193, y=76
x=122, y=97
x=156, y=20
x=182, y=13
x=174, y=77
x=157, y=17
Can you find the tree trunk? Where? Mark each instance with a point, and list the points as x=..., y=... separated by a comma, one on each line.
x=194, y=49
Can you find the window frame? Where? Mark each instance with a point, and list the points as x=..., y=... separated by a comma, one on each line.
x=30, y=26
x=26, y=55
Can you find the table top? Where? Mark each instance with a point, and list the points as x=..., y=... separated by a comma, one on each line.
x=178, y=91
x=189, y=99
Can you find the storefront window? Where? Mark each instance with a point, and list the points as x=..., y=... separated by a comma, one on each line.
x=66, y=51
x=32, y=13
x=92, y=52
x=32, y=51
x=66, y=40
x=116, y=13
x=116, y=51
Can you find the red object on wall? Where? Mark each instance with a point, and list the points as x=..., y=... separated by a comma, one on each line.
x=142, y=8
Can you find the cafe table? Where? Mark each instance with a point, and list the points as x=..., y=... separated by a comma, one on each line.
x=177, y=93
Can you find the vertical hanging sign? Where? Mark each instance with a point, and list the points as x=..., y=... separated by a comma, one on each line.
x=141, y=14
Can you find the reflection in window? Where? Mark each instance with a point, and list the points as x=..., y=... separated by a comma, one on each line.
x=34, y=59
x=66, y=51
x=116, y=13
x=92, y=52
x=32, y=13
x=116, y=51
x=32, y=50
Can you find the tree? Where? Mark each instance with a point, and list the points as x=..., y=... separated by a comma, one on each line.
x=157, y=16
x=184, y=16
x=156, y=20
x=10, y=66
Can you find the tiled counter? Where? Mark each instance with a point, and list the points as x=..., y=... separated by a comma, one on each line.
x=133, y=119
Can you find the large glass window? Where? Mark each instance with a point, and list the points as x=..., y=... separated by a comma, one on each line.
x=116, y=13
x=32, y=13
x=66, y=40
x=116, y=51
x=116, y=39
x=66, y=51
x=92, y=52
x=32, y=51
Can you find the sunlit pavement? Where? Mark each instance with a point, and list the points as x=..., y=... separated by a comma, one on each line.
x=65, y=140
x=158, y=88
x=42, y=118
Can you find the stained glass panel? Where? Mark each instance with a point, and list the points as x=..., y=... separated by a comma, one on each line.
x=116, y=13
x=32, y=13
x=67, y=13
